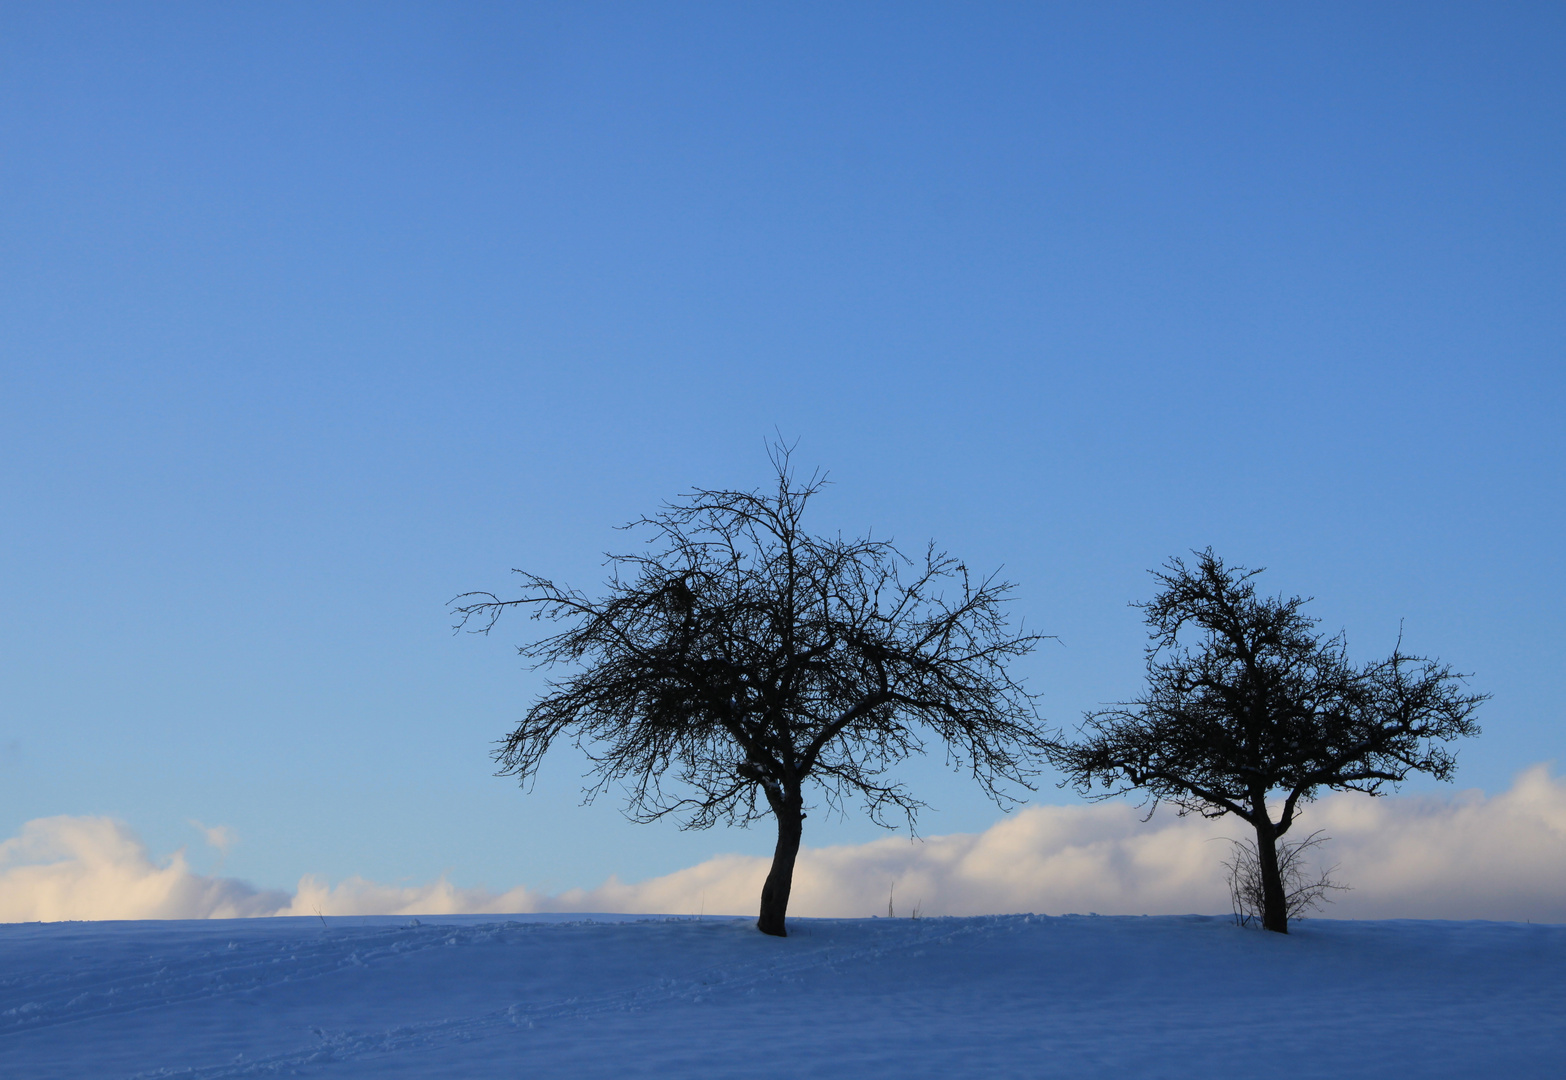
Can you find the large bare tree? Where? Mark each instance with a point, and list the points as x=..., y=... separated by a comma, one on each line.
x=741, y=662
x=1247, y=703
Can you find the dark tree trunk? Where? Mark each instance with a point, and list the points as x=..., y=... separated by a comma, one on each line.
x=1275, y=904
x=774, y=894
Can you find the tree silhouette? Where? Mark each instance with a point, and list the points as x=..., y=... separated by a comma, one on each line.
x=743, y=660
x=1245, y=701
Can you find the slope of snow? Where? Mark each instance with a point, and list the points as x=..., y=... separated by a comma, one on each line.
x=608, y=996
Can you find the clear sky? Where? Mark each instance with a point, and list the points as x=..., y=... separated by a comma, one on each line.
x=313, y=316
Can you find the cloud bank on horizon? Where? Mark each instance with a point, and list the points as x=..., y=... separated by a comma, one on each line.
x=1462, y=856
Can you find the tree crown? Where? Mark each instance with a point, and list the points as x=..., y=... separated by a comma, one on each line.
x=1245, y=698
x=740, y=656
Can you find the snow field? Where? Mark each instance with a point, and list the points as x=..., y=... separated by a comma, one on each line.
x=602, y=996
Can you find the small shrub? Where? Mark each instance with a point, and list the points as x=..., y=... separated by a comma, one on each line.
x=1301, y=891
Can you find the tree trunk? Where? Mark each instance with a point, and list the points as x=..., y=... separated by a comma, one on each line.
x=1275, y=904
x=774, y=894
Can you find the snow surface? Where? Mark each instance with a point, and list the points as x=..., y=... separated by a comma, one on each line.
x=615, y=996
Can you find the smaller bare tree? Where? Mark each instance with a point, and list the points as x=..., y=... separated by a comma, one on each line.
x=741, y=661
x=1302, y=891
x=1250, y=711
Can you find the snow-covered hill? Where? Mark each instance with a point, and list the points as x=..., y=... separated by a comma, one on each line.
x=1005, y=996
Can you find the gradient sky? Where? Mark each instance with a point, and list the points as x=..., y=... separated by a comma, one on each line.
x=312, y=317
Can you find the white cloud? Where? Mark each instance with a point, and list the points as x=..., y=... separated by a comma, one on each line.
x=356, y=896
x=96, y=868
x=1459, y=856
x=217, y=836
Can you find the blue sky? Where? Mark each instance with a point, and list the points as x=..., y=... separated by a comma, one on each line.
x=311, y=318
